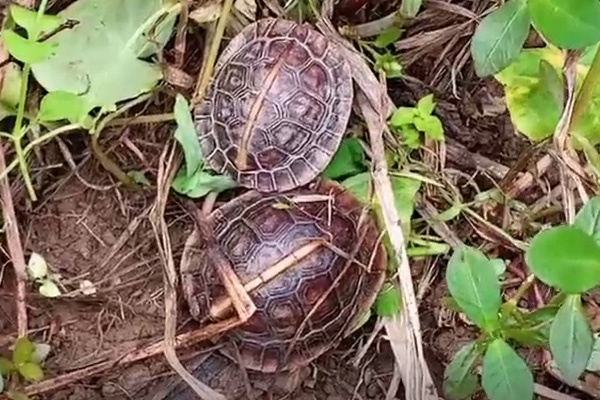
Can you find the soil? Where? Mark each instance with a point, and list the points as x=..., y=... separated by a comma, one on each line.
x=80, y=220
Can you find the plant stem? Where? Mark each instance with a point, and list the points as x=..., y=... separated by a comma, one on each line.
x=214, y=50
x=36, y=142
x=142, y=119
x=19, y=132
x=590, y=83
x=522, y=290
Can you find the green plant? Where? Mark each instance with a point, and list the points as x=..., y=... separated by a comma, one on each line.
x=533, y=78
x=567, y=258
x=411, y=122
x=38, y=271
x=67, y=55
x=25, y=362
x=384, y=60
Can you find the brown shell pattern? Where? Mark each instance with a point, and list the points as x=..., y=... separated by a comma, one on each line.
x=255, y=234
x=277, y=108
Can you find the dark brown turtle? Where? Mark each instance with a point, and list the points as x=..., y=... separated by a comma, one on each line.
x=277, y=108
x=293, y=249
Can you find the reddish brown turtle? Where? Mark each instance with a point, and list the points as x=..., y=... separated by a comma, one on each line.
x=293, y=252
x=277, y=107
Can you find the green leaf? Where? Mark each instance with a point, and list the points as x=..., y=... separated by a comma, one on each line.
x=6, y=366
x=24, y=50
x=11, y=87
x=99, y=59
x=588, y=219
x=593, y=363
x=387, y=37
x=531, y=93
x=23, y=351
x=403, y=116
x=348, y=160
x=61, y=105
x=389, y=301
x=499, y=266
x=567, y=24
x=405, y=191
x=459, y=380
x=499, y=38
x=389, y=64
x=15, y=395
x=186, y=136
x=425, y=105
x=49, y=289
x=534, y=328
x=565, y=257
x=140, y=178
x=571, y=339
x=410, y=8
x=473, y=283
x=31, y=372
x=505, y=375
x=201, y=183
x=28, y=19
x=411, y=137
x=431, y=126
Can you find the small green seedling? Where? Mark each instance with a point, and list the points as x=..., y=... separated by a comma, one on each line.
x=383, y=60
x=38, y=271
x=411, y=122
x=27, y=358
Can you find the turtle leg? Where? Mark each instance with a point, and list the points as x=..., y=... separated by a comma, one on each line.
x=240, y=299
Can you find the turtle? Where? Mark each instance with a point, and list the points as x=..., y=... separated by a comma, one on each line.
x=277, y=108
x=335, y=267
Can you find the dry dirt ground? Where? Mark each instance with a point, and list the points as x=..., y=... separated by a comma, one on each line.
x=82, y=217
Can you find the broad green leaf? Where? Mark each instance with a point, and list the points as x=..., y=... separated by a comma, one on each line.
x=531, y=93
x=593, y=363
x=567, y=24
x=410, y=8
x=348, y=160
x=425, y=105
x=565, y=257
x=403, y=116
x=49, y=289
x=26, y=51
x=473, y=283
x=28, y=19
x=99, y=59
x=23, y=351
x=588, y=55
x=59, y=105
x=499, y=38
x=11, y=86
x=31, y=372
x=505, y=375
x=460, y=381
x=186, y=136
x=6, y=366
x=588, y=219
x=388, y=301
x=37, y=266
x=201, y=183
x=571, y=339
x=387, y=37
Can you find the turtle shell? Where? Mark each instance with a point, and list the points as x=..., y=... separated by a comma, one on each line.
x=256, y=231
x=277, y=108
